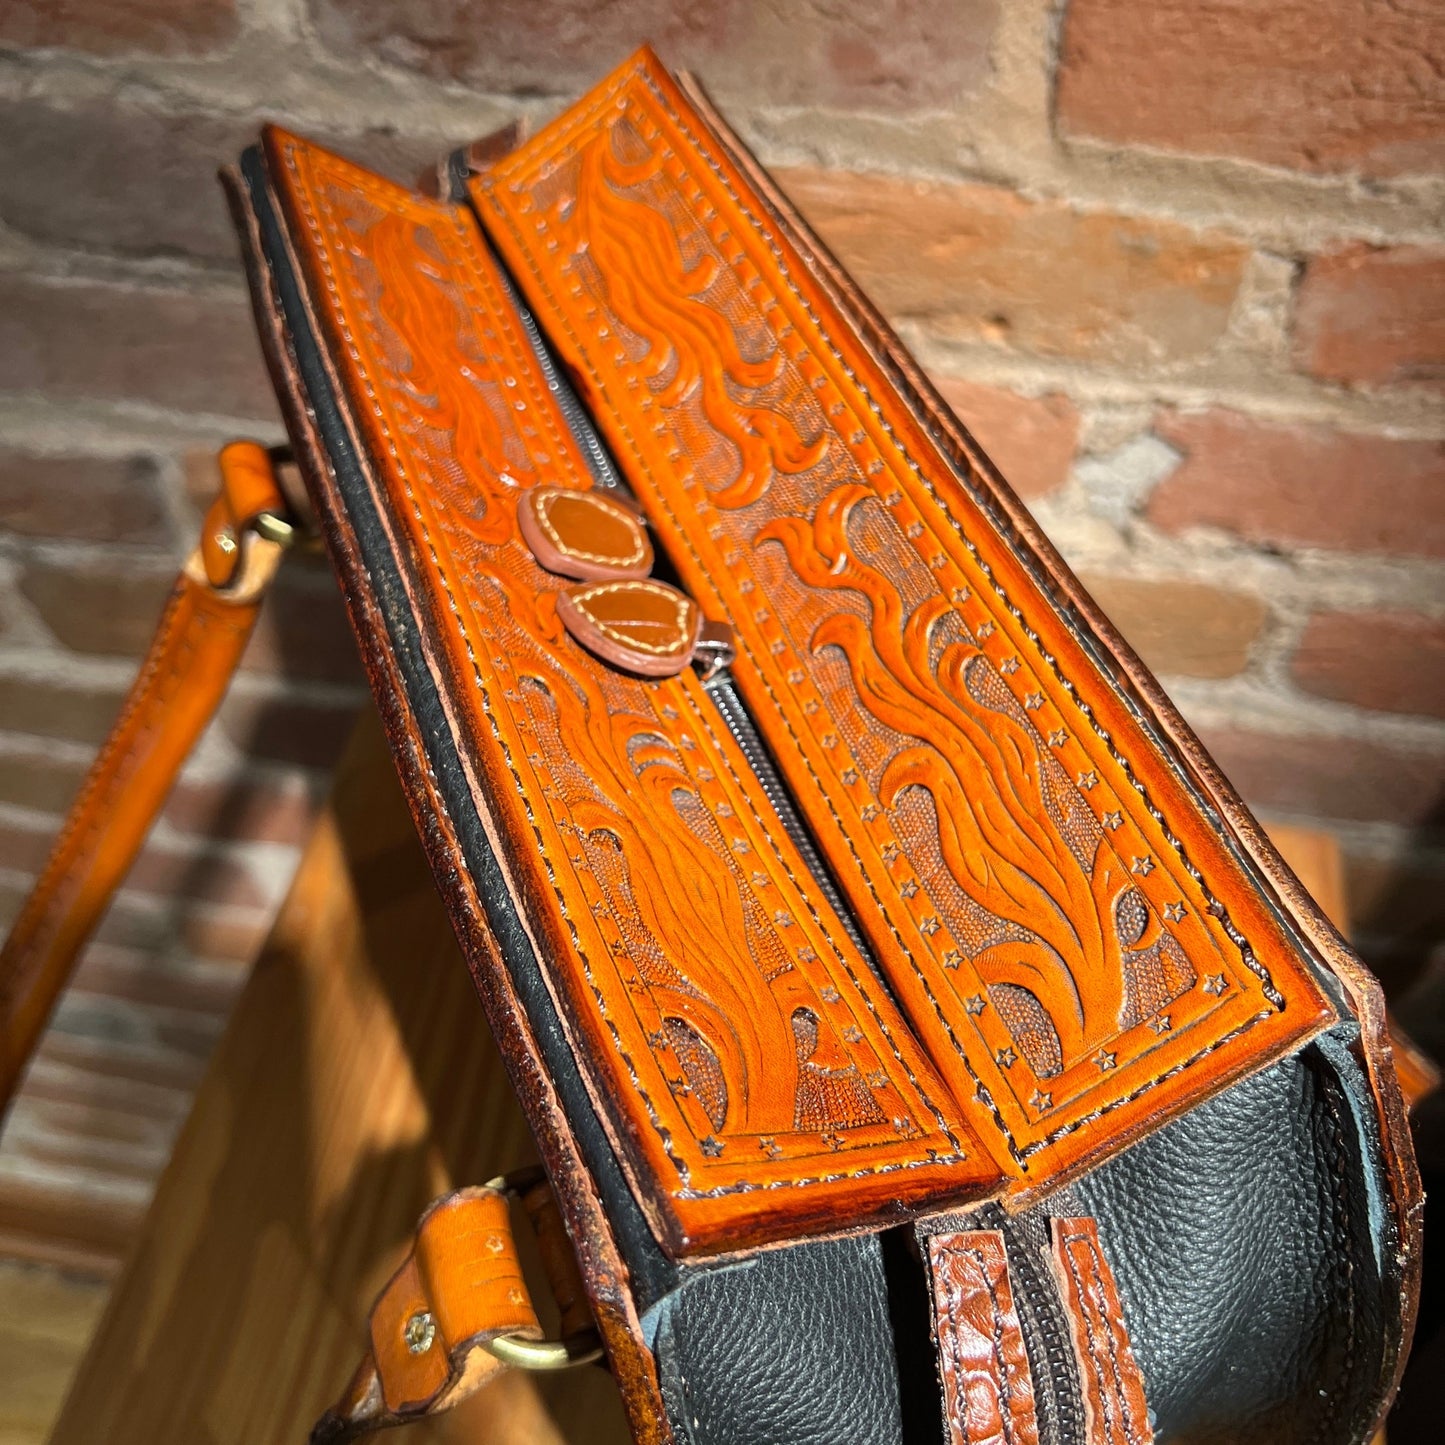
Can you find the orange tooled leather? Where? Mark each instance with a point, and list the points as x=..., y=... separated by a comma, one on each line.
x=583, y=534
x=1069, y=934
x=756, y=1077
x=988, y=1388
x=1116, y=1411
x=199, y=641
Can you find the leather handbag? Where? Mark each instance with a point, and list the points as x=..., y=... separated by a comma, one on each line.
x=920, y=1038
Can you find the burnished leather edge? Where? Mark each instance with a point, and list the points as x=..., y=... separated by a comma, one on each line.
x=1322, y=944
x=591, y=1191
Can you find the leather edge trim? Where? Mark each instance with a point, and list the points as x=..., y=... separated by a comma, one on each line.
x=1116, y=1409
x=611, y=1280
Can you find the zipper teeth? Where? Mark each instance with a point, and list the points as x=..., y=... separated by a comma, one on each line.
x=725, y=695
x=720, y=687
x=603, y=470
x=1043, y=1303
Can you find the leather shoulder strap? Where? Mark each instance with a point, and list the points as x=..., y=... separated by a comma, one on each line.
x=202, y=633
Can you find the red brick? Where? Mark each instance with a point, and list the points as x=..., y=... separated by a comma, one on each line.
x=1330, y=777
x=1388, y=661
x=245, y=809
x=982, y=264
x=1314, y=85
x=1373, y=316
x=112, y=27
x=1031, y=440
x=114, y=177
x=303, y=632
x=43, y=708
x=81, y=498
x=1181, y=628
x=280, y=729
x=106, y=610
x=1302, y=486
x=138, y=977
x=206, y=877
x=889, y=55
x=152, y=344
x=37, y=780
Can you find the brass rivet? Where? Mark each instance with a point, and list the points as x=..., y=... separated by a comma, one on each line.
x=419, y=1332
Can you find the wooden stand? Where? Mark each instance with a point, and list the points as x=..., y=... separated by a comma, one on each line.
x=356, y=1081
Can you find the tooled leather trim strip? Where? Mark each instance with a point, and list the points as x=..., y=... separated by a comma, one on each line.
x=1116, y=1410
x=988, y=1391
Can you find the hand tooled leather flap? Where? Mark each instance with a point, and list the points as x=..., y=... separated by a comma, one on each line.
x=1078, y=953
x=1053, y=903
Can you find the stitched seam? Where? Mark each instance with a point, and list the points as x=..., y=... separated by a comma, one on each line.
x=1093, y=1291
x=1090, y=1360
x=543, y=517
x=952, y=1303
x=608, y=630
x=954, y=1290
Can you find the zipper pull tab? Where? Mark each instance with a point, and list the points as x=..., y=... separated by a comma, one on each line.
x=714, y=652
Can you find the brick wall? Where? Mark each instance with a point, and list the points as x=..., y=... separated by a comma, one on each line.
x=1179, y=265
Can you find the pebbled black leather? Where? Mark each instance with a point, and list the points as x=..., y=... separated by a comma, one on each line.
x=1241, y=1239
x=1248, y=1257
x=794, y=1345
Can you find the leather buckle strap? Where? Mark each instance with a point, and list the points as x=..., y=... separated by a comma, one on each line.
x=457, y=1312
x=202, y=632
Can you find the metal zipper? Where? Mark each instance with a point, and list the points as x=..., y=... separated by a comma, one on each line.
x=717, y=682
x=723, y=691
x=603, y=468
x=1041, y=1307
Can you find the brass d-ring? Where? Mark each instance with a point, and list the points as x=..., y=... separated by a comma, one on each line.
x=523, y=1354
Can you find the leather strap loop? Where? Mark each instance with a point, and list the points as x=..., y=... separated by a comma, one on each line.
x=457, y=1295
x=202, y=633
x=988, y=1388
